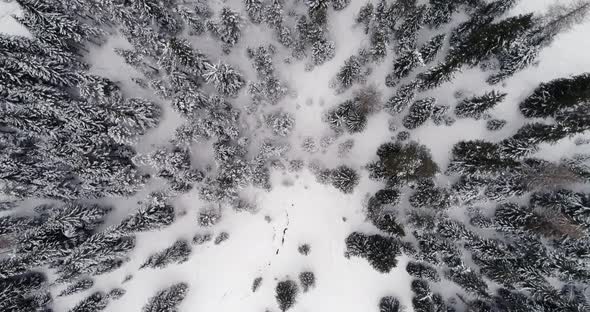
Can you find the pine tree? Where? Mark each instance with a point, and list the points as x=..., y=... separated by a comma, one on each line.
x=388, y=223
x=475, y=107
x=420, y=111
x=156, y=213
x=167, y=300
x=389, y=304
x=365, y=16
x=17, y=292
x=286, y=294
x=524, y=52
x=227, y=80
x=344, y=178
x=340, y=4
x=280, y=123
x=407, y=34
x=380, y=251
x=427, y=195
x=322, y=51
x=431, y=48
x=347, y=116
x=255, y=10
x=403, y=66
x=551, y=97
x=526, y=140
x=479, y=159
x=81, y=285
x=178, y=253
x=437, y=75
x=377, y=202
x=402, y=98
x=440, y=12
x=229, y=27
x=95, y=302
x=400, y=163
x=422, y=271
x=350, y=73
x=468, y=279
x=490, y=40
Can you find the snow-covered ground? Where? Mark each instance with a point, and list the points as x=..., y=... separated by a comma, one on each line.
x=221, y=276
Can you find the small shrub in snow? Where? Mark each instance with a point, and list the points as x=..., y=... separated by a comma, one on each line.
x=495, y=124
x=304, y=249
x=200, y=239
x=286, y=293
x=296, y=165
x=345, y=147
x=326, y=141
x=403, y=136
x=307, y=280
x=223, y=236
x=209, y=217
x=256, y=284
x=309, y=145
x=116, y=293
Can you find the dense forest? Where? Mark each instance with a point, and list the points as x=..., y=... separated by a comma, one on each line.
x=199, y=99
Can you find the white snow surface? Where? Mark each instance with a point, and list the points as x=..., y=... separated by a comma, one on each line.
x=221, y=276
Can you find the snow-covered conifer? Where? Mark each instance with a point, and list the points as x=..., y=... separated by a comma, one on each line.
x=420, y=111
x=178, y=253
x=476, y=106
x=227, y=80
x=167, y=299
